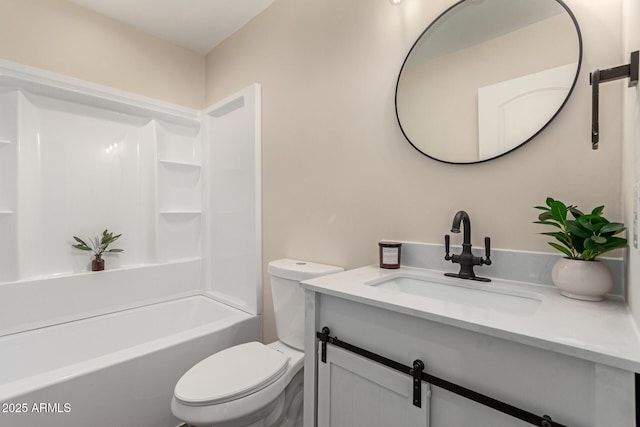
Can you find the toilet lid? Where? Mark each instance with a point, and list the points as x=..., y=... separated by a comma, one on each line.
x=231, y=374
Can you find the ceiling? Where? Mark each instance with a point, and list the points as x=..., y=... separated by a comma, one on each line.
x=199, y=25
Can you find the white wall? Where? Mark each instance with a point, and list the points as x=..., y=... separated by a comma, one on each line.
x=631, y=152
x=337, y=173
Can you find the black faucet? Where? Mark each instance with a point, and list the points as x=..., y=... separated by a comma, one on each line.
x=466, y=259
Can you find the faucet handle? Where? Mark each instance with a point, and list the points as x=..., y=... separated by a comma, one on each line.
x=446, y=247
x=487, y=250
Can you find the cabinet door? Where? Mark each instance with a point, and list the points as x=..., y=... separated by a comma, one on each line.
x=356, y=392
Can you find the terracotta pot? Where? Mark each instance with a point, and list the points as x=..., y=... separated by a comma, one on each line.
x=97, y=264
x=584, y=280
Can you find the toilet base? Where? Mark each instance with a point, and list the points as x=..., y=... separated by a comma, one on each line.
x=285, y=411
x=293, y=401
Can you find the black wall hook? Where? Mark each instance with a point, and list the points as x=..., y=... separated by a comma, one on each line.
x=601, y=76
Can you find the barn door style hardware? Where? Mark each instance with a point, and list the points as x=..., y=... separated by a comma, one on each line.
x=596, y=77
x=416, y=371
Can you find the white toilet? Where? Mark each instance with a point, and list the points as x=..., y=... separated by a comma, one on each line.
x=254, y=384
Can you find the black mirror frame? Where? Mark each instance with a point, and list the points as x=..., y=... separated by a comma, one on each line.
x=575, y=80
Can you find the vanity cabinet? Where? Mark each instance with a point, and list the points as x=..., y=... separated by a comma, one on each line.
x=355, y=391
x=572, y=390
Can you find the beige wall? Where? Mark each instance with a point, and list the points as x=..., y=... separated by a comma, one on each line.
x=61, y=37
x=338, y=175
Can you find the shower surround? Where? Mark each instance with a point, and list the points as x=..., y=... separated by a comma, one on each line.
x=181, y=185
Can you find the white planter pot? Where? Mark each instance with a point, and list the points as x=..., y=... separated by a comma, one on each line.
x=584, y=280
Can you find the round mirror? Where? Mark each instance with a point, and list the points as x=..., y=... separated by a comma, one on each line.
x=487, y=76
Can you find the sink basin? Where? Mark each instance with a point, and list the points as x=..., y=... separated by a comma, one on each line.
x=467, y=293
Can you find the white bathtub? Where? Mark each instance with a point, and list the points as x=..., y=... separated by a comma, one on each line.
x=113, y=370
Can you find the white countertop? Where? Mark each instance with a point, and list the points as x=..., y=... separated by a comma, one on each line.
x=603, y=332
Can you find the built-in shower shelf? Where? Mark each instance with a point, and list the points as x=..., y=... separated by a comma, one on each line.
x=6, y=212
x=171, y=163
x=4, y=141
x=179, y=187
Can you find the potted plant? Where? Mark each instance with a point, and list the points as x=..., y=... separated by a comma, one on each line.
x=582, y=239
x=98, y=246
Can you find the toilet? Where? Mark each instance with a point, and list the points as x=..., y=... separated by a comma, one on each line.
x=253, y=384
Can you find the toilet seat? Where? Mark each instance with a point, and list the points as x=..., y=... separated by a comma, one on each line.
x=249, y=408
x=231, y=374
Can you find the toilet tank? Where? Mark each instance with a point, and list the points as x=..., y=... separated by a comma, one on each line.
x=288, y=296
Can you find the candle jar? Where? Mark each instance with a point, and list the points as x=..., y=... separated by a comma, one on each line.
x=389, y=254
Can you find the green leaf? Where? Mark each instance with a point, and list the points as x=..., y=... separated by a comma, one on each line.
x=593, y=218
x=585, y=224
x=575, y=228
x=591, y=245
x=115, y=250
x=82, y=248
x=559, y=212
x=562, y=249
x=612, y=227
x=599, y=239
x=615, y=243
x=577, y=213
x=559, y=237
x=578, y=243
x=555, y=224
x=604, y=251
x=556, y=234
x=79, y=240
x=598, y=210
x=545, y=216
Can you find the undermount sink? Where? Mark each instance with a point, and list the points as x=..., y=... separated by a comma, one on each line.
x=482, y=296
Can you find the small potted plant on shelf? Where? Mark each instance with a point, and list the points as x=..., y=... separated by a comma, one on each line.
x=98, y=246
x=579, y=275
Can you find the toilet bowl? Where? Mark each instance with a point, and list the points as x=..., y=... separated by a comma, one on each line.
x=253, y=384
x=246, y=385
